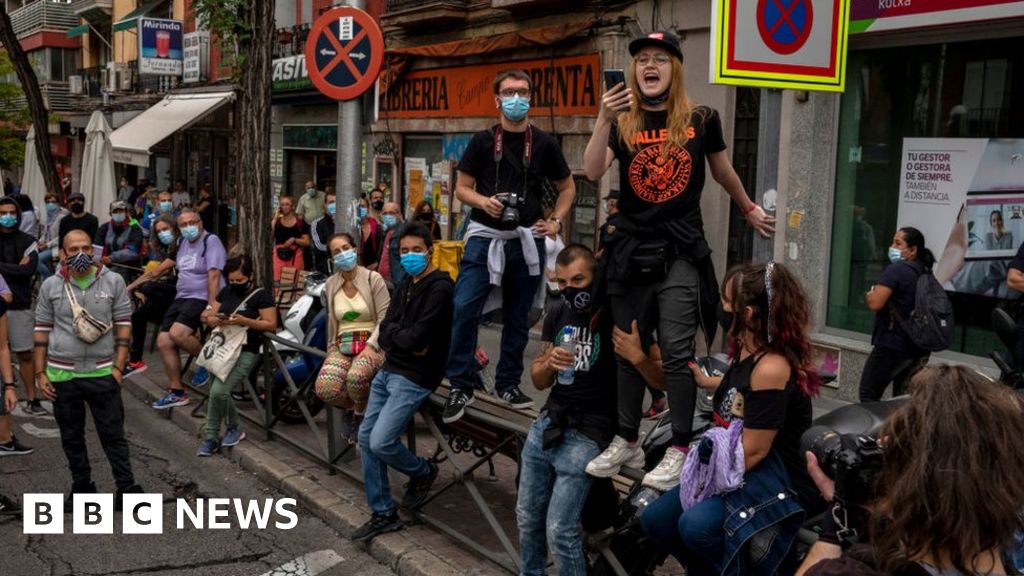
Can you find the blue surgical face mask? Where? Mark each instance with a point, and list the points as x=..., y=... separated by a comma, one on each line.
x=190, y=233
x=389, y=221
x=332, y=209
x=345, y=261
x=895, y=254
x=52, y=207
x=311, y=191
x=362, y=212
x=166, y=237
x=414, y=262
x=515, y=107
x=166, y=206
x=118, y=218
x=8, y=221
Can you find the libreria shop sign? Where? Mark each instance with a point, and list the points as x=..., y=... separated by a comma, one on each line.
x=144, y=514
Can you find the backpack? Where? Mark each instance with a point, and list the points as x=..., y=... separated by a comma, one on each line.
x=930, y=325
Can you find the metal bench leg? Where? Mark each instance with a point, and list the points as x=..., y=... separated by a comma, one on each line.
x=466, y=477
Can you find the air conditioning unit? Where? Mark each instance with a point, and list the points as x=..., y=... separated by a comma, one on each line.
x=75, y=85
x=125, y=78
x=104, y=81
x=111, y=81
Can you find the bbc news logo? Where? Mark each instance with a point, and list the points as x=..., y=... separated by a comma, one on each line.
x=144, y=514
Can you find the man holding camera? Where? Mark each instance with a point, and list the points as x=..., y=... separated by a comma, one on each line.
x=501, y=178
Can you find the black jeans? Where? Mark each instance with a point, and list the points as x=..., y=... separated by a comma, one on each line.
x=159, y=296
x=670, y=308
x=885, y=365
x=103, y=395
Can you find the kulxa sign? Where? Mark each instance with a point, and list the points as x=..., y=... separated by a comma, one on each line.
x=567, y=86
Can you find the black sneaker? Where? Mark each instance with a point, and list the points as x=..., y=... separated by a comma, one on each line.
x=119, y=497
x=455, y=407
x=14, y=448
x=378, y=524
x=515, y=398
x=419, y=488
x=8, y=507
x=35, y=408
x=78, y=488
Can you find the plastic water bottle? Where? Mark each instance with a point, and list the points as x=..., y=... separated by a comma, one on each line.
x=569, y=345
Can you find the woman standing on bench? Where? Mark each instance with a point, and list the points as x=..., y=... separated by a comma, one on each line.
x=357, y=301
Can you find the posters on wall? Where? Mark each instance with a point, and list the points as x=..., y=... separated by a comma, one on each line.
x=966, y=195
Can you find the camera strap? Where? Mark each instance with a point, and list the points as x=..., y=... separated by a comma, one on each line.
x=499, y=154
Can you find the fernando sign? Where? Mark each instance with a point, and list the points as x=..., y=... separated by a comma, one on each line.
x=160, y=46
x=799, y=44
x=344, y=53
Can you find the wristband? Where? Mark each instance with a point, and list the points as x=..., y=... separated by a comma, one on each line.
x=751, y=209
x=10, y=385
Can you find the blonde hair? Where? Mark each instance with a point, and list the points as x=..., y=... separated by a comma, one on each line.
x=680, y=111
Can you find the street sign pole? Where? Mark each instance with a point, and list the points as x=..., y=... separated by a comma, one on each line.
x=349, y=175
x=768, y=135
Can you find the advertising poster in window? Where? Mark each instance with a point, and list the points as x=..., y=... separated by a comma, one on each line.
x=160, y=46
x=966, y=195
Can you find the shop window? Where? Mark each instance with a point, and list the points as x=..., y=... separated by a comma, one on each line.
x=940, y=91
x=583, y=225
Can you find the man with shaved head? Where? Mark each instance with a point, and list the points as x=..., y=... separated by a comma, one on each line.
x=75, y=368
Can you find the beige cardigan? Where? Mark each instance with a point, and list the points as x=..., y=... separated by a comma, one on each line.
x=370, y=285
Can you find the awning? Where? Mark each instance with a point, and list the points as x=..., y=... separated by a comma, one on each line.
x=532, y=37
x=132, y=142
x=131, y=19
x=78, y=31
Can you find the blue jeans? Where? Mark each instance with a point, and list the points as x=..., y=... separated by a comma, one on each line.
x=393, y=402
x=471, y=289
x=45, y=262
x=553, y=486
x=695, y=538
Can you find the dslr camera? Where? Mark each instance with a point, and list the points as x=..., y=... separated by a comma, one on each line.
x=511, y=202
x=852, y=460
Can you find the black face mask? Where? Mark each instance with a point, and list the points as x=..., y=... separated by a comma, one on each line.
x=725, y=319
x=77, y=208
x=427, y=216
x=377, y=204
x=241, y=289
x=578, y=298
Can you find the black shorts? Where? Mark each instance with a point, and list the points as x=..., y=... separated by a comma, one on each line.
x=184, y=311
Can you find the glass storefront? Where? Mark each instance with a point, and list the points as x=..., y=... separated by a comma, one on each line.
x=951, y=90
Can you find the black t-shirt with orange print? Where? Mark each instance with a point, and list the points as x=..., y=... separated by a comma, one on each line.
x=656, y=187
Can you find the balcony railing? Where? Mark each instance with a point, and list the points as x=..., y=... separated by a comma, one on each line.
x=290, y=41
x=92, y=10
x=42, y=16
x=56, y=96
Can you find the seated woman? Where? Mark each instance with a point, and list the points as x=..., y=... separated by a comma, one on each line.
x=357, y=302
x=153, y=298
x=764, y=402
x=237, y=304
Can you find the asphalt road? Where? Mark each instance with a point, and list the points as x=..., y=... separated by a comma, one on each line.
x=164, y=461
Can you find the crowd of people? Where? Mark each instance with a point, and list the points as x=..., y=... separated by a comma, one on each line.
x=623, y=325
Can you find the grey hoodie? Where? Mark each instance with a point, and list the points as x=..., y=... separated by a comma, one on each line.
x=105, y=298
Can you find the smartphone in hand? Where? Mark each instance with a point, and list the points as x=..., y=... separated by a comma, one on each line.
x=613, y=77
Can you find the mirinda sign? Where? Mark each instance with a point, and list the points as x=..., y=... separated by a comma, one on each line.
x=567, y=86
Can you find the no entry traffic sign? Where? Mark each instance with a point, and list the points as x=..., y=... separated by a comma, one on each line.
x=798, y=44
x=344, y=53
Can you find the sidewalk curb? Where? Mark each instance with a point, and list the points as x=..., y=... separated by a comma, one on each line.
x=398, y=551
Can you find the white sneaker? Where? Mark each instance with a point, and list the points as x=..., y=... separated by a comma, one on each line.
x=617, y=455
x=666, y=474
